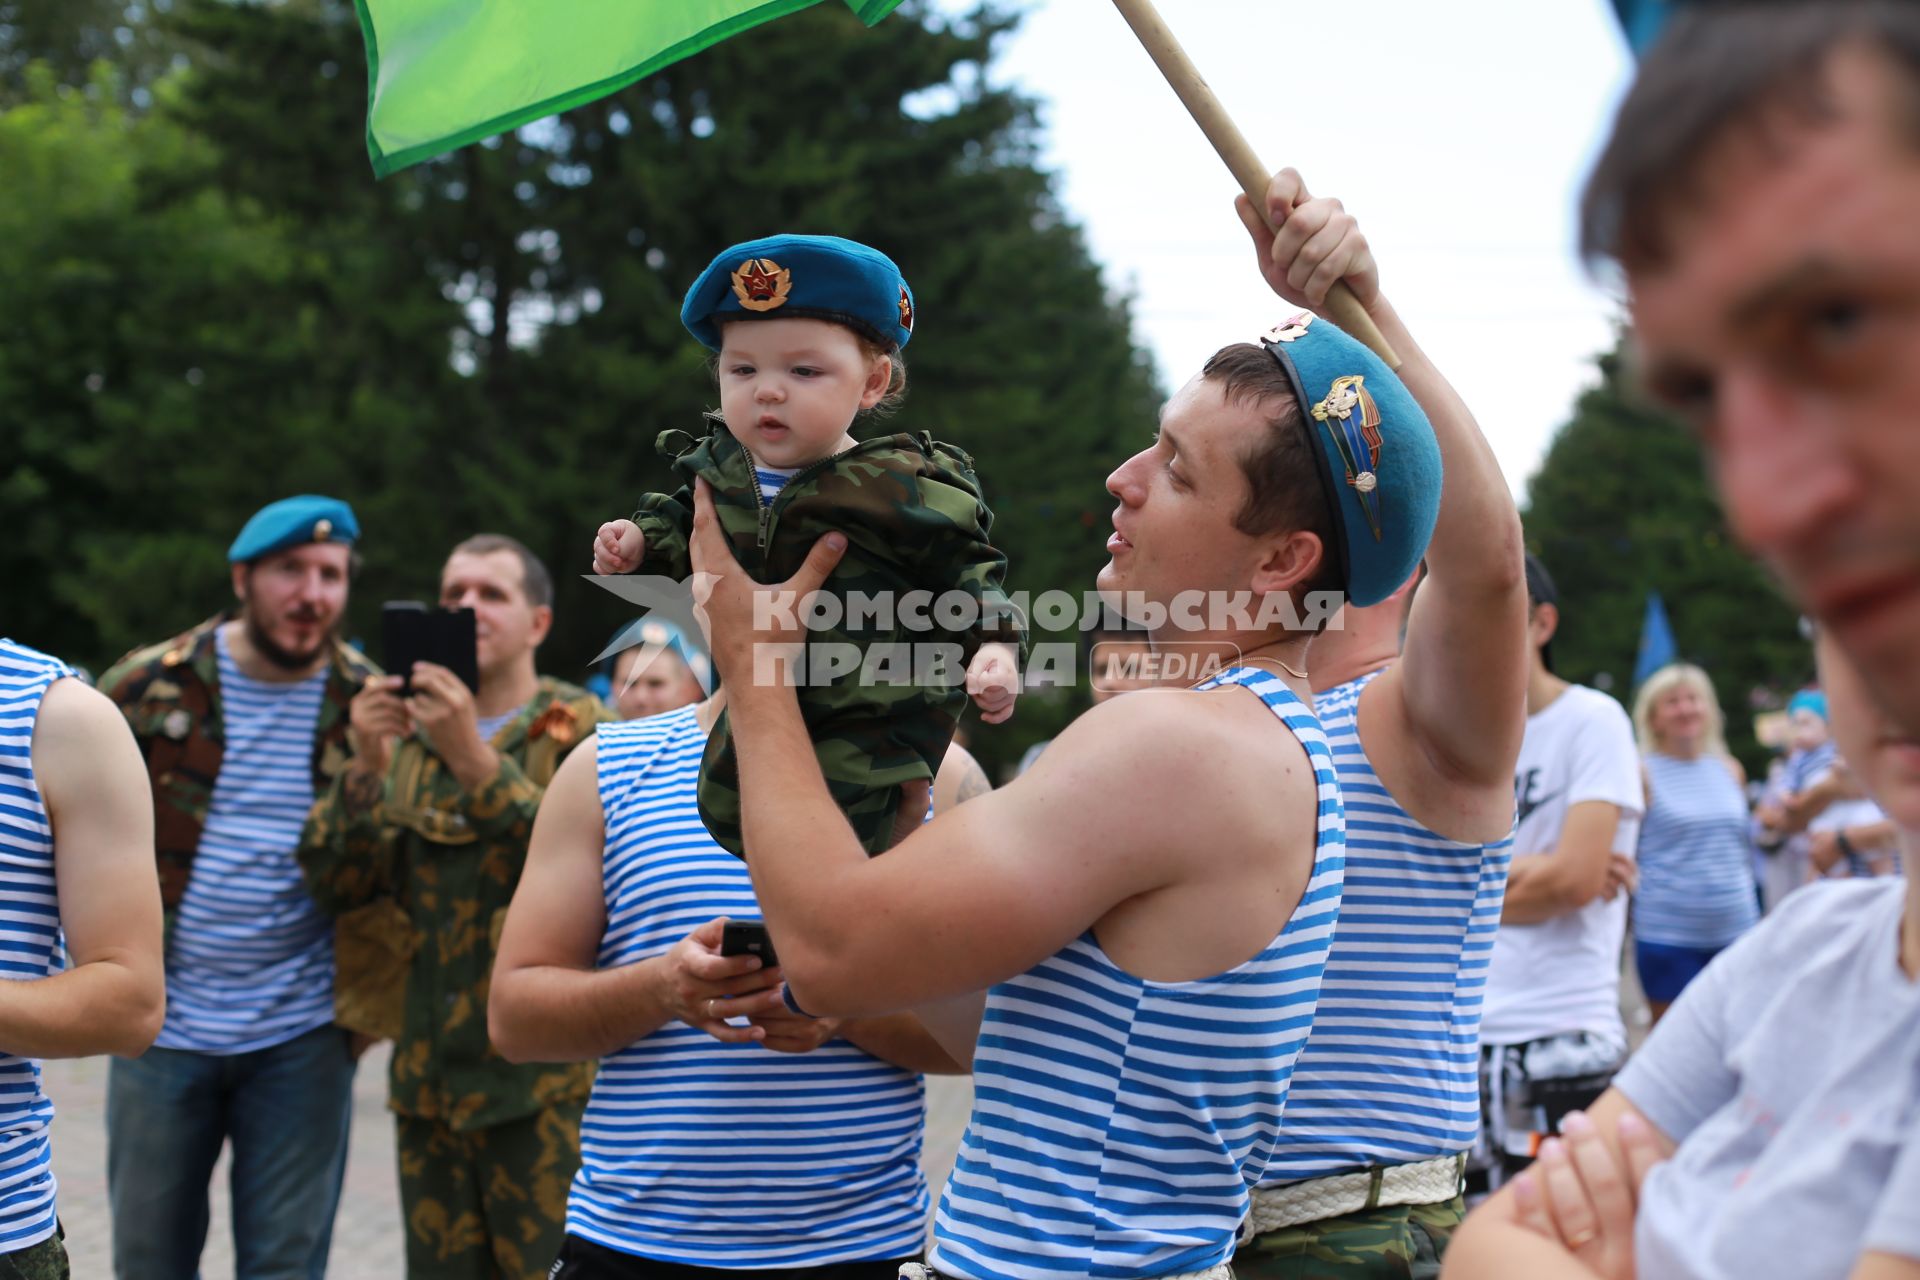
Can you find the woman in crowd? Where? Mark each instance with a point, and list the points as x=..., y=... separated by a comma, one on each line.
x=1771, y=1125
x=1696, y=872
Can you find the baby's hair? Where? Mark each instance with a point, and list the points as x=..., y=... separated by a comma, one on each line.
x=896, y=394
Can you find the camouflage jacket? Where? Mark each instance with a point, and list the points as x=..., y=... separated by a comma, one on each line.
x=419, y=883
x=170, y=695
x=914, y=519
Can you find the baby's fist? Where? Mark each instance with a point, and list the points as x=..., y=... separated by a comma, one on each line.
x=993, y=681
x=618, y=546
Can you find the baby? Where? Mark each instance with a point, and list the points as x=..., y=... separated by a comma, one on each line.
x=807, y=331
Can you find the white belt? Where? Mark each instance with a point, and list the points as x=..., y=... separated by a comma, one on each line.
x=921, y=1271
x=1425, y=1182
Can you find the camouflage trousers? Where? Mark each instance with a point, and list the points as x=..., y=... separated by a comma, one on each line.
x=44, y=1261
x=1395, y=1242
x=487, y=1204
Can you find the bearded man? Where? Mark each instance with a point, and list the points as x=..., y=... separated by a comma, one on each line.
x=243, y=721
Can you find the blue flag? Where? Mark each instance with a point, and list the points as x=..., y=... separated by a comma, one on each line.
x=1657, y=648
x=1642, y=20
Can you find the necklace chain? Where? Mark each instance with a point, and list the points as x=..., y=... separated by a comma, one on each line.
x=1296, y=674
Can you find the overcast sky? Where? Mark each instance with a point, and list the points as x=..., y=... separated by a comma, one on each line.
x=1458, y=133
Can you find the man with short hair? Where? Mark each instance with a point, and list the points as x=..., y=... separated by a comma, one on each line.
x=1130, y=899
x=417, y=847
x=1760, y=189
x=242, y=721
x=1551, y=1037
x=1423, y=698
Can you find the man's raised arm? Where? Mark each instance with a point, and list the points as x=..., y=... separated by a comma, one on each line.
x=1463, y=669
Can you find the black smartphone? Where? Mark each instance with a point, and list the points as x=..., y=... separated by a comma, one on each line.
x=414, y=632
x=747, y=938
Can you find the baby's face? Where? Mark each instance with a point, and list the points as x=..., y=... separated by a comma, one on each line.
x=789, y=388
x=1807, y=729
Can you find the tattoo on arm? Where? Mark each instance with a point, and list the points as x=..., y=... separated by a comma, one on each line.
x=363, y=789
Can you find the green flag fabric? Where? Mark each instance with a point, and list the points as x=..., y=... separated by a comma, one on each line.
x=443, y=73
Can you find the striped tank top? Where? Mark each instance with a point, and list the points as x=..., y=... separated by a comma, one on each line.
x=1390, y=1074
x=1119, y=1124
x=250, y=962
x=730, y=1156
x=30, y=945
x=1696, y=869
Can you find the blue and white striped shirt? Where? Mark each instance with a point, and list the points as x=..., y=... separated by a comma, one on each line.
x=250, y=962
x=1119, y=1124
x=730, y=1156
x=30, y=945
x=1696, y=869
x=772, y=481
x=1390, y=1074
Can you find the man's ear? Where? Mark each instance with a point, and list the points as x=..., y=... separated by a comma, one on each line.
x=240, y=573
x=1287, y=562
x=1544, y=623
x=542, y=623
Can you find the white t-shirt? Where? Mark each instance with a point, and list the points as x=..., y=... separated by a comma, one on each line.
x=1564, y=974
x=1789, y=1073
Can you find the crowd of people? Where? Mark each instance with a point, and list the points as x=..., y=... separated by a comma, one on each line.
x=1254, y=979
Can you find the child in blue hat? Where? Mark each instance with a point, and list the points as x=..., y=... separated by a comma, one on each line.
x=807, y=331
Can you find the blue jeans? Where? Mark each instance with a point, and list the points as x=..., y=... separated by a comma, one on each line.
x=286, y=1109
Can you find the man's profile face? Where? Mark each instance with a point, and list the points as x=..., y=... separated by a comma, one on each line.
x=1784, y=325
x=493, y=585
x=1178, y=498
x=291, y=601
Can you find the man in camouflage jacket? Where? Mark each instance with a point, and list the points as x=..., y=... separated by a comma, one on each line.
x=911, y=510
x=242, y=721
x=417, y=849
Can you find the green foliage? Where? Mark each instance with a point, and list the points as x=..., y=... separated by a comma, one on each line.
x=1620, y=507
x=211, y=303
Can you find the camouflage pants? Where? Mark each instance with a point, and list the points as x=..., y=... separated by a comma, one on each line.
x=44, y=1261
x=1396, y=1242
x=487, y=1204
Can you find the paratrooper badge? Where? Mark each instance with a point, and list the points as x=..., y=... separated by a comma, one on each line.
x=762, y=284
x=322, y=529
x=176, y=724
x=1357, y=436
x=906, y=310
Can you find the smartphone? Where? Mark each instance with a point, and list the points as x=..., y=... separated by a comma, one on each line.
x=747, y=938
x=413, y=632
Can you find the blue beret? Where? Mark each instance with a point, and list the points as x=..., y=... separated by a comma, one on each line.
x=660, y=636
x=1808, y=700
x=293, y=522
x=1379, y=462
x=802, y=277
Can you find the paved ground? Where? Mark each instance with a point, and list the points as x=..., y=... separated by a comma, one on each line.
x=366, y=1237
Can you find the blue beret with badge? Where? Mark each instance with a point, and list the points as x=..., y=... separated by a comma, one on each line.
x=1379, y=463
x=802, y=277
x=294, y=522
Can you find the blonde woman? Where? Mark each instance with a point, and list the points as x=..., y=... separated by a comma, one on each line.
x=1696, y=868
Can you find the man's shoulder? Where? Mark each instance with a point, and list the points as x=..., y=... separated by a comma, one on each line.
x=136, y=673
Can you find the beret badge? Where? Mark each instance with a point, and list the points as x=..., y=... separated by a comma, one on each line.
x=1353, y=420
x=761, y=284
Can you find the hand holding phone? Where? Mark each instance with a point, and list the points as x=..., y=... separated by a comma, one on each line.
x=748, y=938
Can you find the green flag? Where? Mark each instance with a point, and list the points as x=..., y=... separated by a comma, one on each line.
x=444, y=73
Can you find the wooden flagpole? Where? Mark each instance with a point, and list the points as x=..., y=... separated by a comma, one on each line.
x=1342, y=307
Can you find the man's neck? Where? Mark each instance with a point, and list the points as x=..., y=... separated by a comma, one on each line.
x=503, y=691
x=256, y=666
x=1340, y=657
x=1543, y=687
